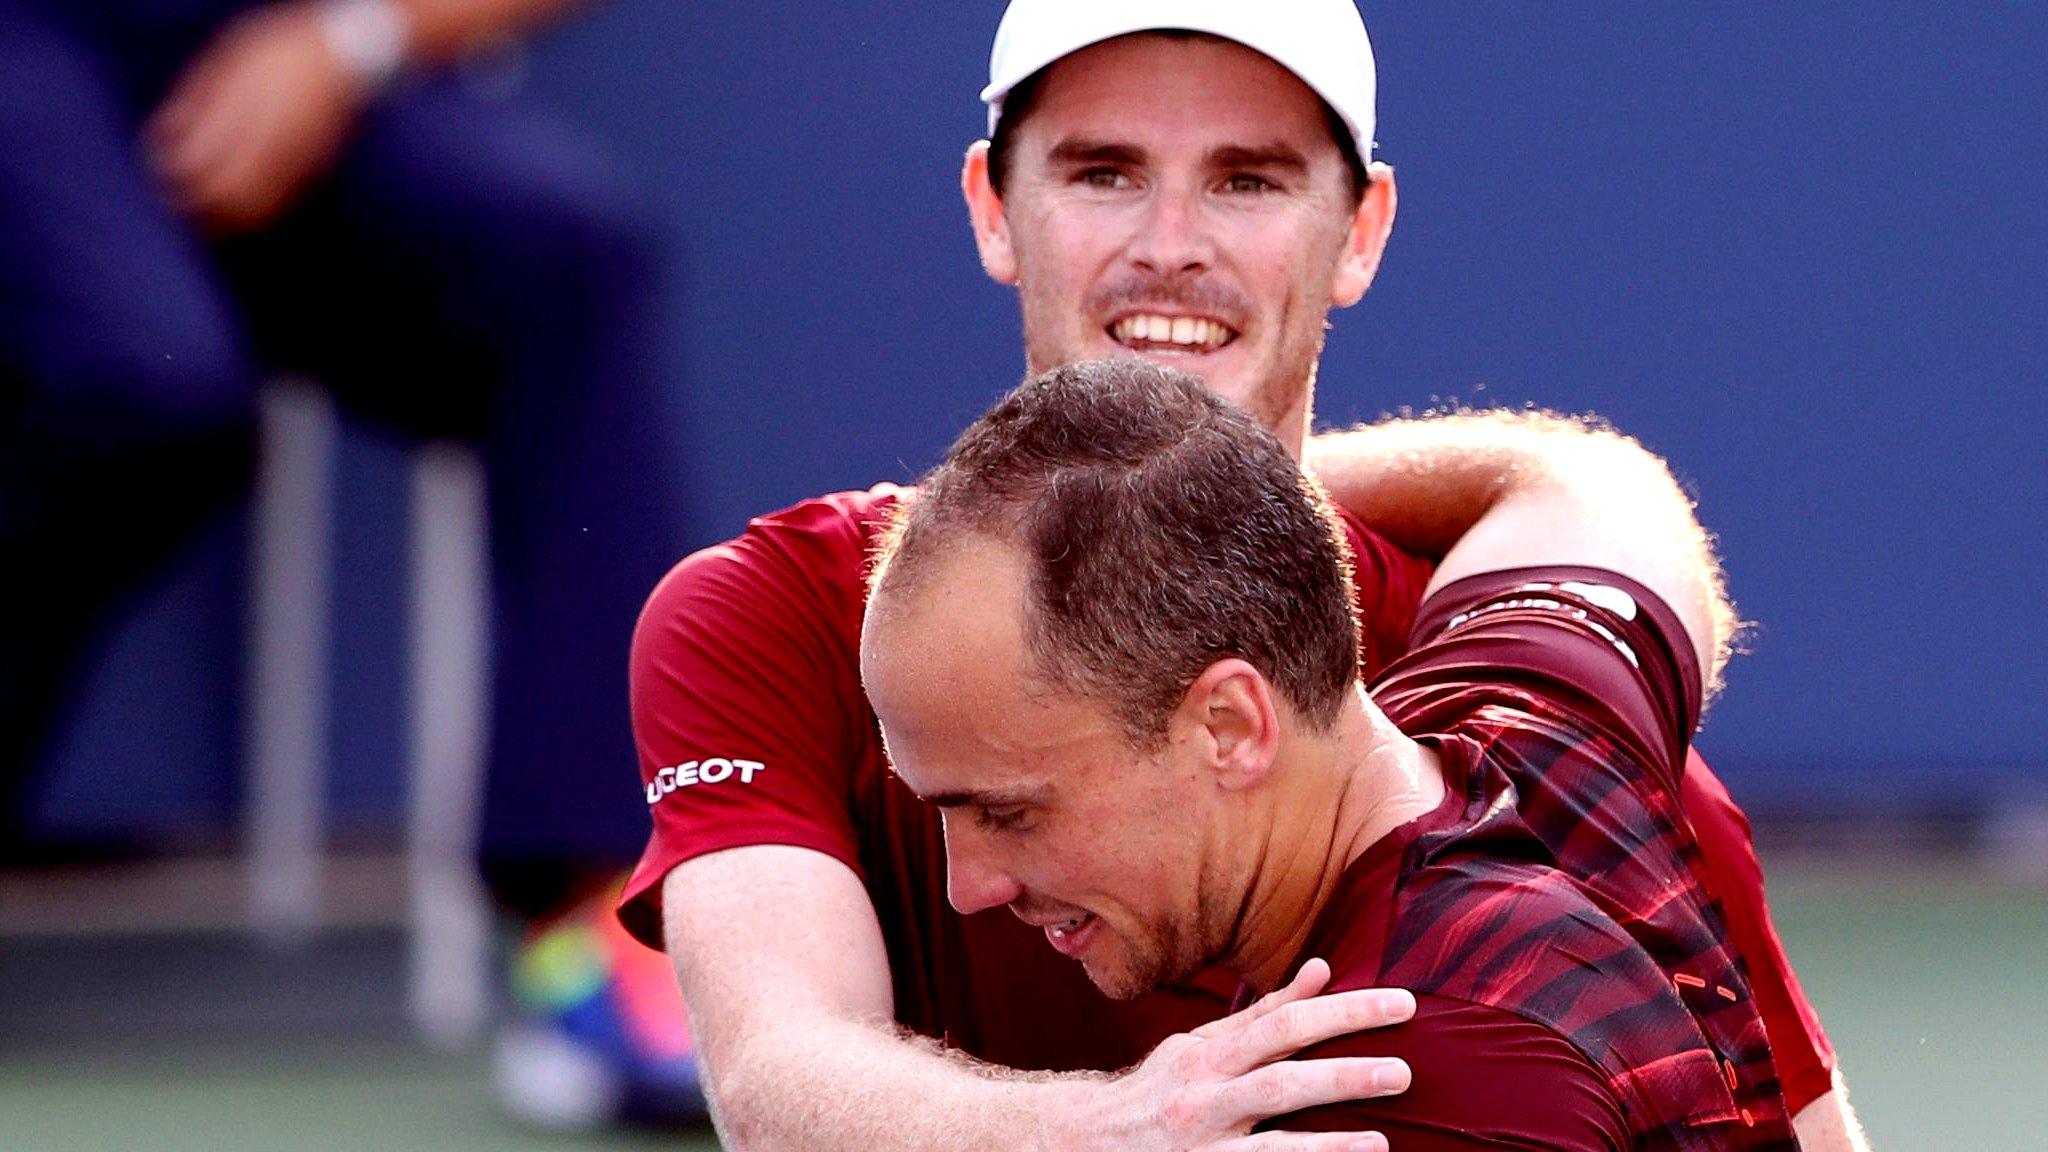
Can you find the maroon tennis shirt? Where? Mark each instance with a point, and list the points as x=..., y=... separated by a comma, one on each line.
x=1576, y=987
x=752, y=729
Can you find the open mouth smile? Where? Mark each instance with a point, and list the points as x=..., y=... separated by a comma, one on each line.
x=1173, y=335
x=1070, y=937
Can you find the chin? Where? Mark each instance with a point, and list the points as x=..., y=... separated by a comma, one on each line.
x=1129, y=978
x=1119, y=984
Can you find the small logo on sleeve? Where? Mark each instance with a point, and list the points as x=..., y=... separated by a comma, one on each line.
x=1600, y=595
x=716, y=770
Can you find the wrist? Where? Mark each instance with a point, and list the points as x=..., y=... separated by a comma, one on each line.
x=371, y=39
x=1069, y=1112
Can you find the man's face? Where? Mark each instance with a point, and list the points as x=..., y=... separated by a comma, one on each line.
x=1181, y=199
x=1047, y=807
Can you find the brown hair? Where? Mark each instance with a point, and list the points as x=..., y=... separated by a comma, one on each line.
x=1165, y=529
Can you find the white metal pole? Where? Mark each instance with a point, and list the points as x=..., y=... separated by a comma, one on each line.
x=451, y=614
x=287, y=692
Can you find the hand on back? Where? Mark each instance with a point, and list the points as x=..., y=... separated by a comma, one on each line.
x=1206, y=1089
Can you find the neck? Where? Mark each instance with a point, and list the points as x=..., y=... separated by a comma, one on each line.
x=1292, y=431
x=1291, y=426
x=1341, y=793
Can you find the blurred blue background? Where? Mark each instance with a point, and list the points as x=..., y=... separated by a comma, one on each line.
x=1793, y=247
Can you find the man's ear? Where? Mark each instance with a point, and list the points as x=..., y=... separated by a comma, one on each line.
x=985, y=210
x=1371, y=224
x=1229, y=715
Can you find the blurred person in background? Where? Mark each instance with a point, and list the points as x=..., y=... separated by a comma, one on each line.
x=195, y=194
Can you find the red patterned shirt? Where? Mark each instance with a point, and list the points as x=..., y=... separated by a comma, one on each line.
x=1551, y=905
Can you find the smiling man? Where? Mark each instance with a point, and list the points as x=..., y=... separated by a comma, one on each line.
x=1183, y=196
x=1179, y=181
x=1112, y=640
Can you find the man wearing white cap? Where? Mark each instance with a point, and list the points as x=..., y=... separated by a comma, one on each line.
x=1186, y=181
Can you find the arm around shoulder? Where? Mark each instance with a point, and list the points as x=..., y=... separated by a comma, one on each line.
x=786, y=979
x=1599, y=499
x=1498, y=489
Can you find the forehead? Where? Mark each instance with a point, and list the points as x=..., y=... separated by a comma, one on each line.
x=945, y=664
x=1178, y=84
x=947, y=639
x=966, y=597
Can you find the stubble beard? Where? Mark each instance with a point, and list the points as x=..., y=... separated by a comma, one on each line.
x=1174, y=952
x=1164, y=957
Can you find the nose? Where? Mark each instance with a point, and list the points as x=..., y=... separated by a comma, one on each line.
x=1173, y=235
x=974, y=882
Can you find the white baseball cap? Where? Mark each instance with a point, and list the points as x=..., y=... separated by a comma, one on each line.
x=1323, y=42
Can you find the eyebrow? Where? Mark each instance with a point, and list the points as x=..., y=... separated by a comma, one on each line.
x=996, y=798
x=1084, y=151
x=1079, y=150
x=1261, y=156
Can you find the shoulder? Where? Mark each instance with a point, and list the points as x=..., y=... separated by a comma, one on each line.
x=1374, y=552
x=764, y=628
x=1523, y=938
x=1387, y=583
x=828, y=538
x=807, y=561
x=1483, y=1078
x=1553, y=651
x=1515, y=934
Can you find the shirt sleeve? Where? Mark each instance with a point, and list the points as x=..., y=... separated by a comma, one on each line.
x=1388, y=584
x=1584, y=644
x=1580, y=679
x=747, y=709
x=1735, y=879
x=1484, y=1078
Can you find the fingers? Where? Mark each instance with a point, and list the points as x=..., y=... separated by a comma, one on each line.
x=244, y=185
x=1309, y=980
x=192, y=100
x=1291, y=1027
x=199, y=134
x=1292, y=1085
x=1302, y=1142
x=236, y=161
x=262, y=111
x=182, y=108
x=1313, y=975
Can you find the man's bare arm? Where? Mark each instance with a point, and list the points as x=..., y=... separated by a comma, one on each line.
x=1419, y=482
x=1829, y=1124
x=785, y=975
x=1576, y=492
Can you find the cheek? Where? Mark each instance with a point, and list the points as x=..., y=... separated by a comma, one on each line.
x=1290, y=268
x=1144, y=874
x=1103, y=868
x=1060, y=253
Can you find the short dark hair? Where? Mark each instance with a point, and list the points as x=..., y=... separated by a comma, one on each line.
x=1164, y=529
x=1023, y=97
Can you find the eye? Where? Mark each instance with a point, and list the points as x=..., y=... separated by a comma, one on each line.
x=1001, y=819
x=1246, y=182
x=1104, y=178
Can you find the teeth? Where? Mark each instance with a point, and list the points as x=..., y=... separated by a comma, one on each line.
x=1185, y=331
